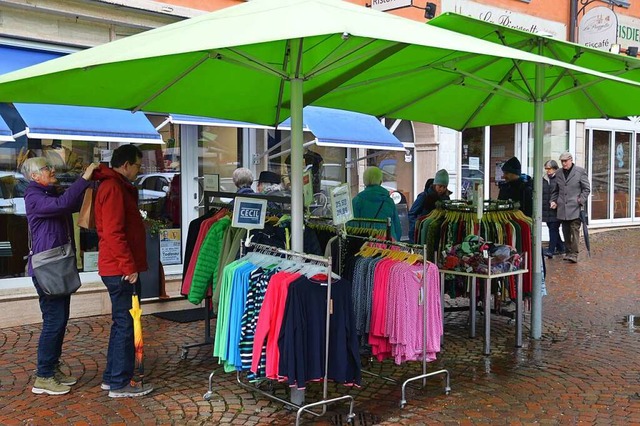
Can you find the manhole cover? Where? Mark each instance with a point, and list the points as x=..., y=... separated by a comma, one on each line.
x=361, y=419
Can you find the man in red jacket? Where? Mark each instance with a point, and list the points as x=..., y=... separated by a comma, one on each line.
x=122, y=256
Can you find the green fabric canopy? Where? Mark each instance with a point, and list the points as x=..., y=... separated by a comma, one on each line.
x=263, y=60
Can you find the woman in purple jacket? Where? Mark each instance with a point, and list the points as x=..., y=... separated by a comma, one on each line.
x=50, y=224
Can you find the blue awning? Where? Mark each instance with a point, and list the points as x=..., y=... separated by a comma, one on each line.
x=73, y=122
x=208, y=121
x=346, y=129
x=5, y=132
x=86, y=123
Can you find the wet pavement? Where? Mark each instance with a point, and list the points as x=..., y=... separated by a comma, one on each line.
x=584, y=370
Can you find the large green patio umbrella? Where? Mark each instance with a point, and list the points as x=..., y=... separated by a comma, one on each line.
x=264, y=60
x=571, y=53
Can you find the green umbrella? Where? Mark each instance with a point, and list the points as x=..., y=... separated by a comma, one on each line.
x=263, y=60
x=595, y=102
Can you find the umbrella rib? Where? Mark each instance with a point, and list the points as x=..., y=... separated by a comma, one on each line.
x=172, y=82
x=323, y=66
x=496, y=86
x=481, y=106
x=517, y=65
x=261, y=66
x=285, y=62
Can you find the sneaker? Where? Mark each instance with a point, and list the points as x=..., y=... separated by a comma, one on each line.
x=63, y=378
x=548, y=254
x=133, y=389
x=105, y=386
x=50, y=386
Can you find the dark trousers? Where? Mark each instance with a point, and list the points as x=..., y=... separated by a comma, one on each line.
x=120, y=354
x=571, y=232
x=555, y=242
x=55, y=315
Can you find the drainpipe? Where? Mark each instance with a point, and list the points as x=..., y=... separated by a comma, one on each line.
x=573, y=20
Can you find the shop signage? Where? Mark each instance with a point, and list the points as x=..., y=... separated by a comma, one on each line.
x=89, y=261
x=212, y=183
x=341, y=204
x=389, y=4
x=249, y=213
x=597, y=28
x=628, y=31
x=508, y=18
x=170, y=247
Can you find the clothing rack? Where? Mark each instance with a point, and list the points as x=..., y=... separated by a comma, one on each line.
x=325, y=401
x=424, y=375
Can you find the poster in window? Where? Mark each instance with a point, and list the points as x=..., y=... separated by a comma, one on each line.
x=170, y=247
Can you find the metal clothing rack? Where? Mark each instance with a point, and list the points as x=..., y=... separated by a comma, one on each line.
x=324, y=402
x=424, y=375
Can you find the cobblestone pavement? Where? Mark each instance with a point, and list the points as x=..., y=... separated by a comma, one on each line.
x=585, y=368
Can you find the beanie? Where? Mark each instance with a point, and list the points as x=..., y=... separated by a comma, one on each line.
x=442, y=178
x=372, y=176
x=512, y=165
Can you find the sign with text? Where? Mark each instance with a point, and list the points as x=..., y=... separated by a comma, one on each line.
x=89, y=261
x=249, y=213
x=389, y=4
x=170, y=247
x=307, y=188
x=341, y=204
x=598, y=28
x=508, y=18
x=212, y=183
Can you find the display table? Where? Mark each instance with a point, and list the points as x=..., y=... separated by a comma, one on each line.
x=487, y=302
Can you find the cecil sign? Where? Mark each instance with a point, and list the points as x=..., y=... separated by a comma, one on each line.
x=249, y=213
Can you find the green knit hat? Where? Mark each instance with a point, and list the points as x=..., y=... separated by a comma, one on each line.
x=441, y=178
x=372, y=176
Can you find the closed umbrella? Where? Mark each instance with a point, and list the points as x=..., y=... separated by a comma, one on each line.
x=136, y=313
x=585, y=230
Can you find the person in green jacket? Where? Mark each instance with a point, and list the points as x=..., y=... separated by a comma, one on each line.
x=374, y=202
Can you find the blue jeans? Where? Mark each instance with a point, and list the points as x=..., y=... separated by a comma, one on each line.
x=55, y=315
x=555, y=242
x=120, y=354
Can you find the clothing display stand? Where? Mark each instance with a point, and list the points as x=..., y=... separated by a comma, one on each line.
x=307, y=408
x=424, y=376
x=487, y=300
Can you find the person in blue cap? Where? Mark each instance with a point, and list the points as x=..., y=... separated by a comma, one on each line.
x=434, y=190
x=517, y=187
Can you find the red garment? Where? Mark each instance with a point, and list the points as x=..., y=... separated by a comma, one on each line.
x=121, y=231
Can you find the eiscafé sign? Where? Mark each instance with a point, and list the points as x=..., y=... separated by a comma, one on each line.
x=598, y=28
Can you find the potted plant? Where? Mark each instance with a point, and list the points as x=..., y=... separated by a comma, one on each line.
x=152, y=277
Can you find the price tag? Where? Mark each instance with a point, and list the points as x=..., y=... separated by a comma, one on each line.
x=341, y=204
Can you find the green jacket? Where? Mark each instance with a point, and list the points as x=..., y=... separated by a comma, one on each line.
x=374, y=202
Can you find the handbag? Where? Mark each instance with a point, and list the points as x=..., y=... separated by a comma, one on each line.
x=56, y=269
x=87, y=219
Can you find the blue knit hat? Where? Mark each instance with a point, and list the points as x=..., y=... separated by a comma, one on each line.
x=442, y=178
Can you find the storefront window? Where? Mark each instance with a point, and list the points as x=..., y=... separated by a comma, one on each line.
x=501, y=148
x=600, y=174
x=621, y=178
x=472, y=160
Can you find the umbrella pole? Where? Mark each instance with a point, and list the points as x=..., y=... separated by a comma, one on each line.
x=536, y=248
x=297, y=139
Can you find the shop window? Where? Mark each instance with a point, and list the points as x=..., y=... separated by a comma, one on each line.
x=472, y=160
x=621, y=177
x=600, y=174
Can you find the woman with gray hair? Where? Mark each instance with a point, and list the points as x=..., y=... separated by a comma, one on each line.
x=243, y=179
x=50, y=225
x=549, y=215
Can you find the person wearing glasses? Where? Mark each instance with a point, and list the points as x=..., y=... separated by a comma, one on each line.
x=567, y=198
x=549, y=215
x=49, y=212
x=122, y=256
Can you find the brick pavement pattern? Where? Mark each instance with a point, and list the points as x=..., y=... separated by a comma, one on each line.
x=584, y=369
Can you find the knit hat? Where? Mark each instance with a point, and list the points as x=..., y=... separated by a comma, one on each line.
x=269, y=177
x=372, y=176
x=512, y=165
x=442, y=178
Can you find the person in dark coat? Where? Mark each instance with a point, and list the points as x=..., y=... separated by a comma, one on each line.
x=569, y=197
x=549, y=216
x=50, y=224
x=517, y=186
x=243, y=179
x=434, y=190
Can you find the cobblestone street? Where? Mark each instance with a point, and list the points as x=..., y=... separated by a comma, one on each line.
x=584, y=369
